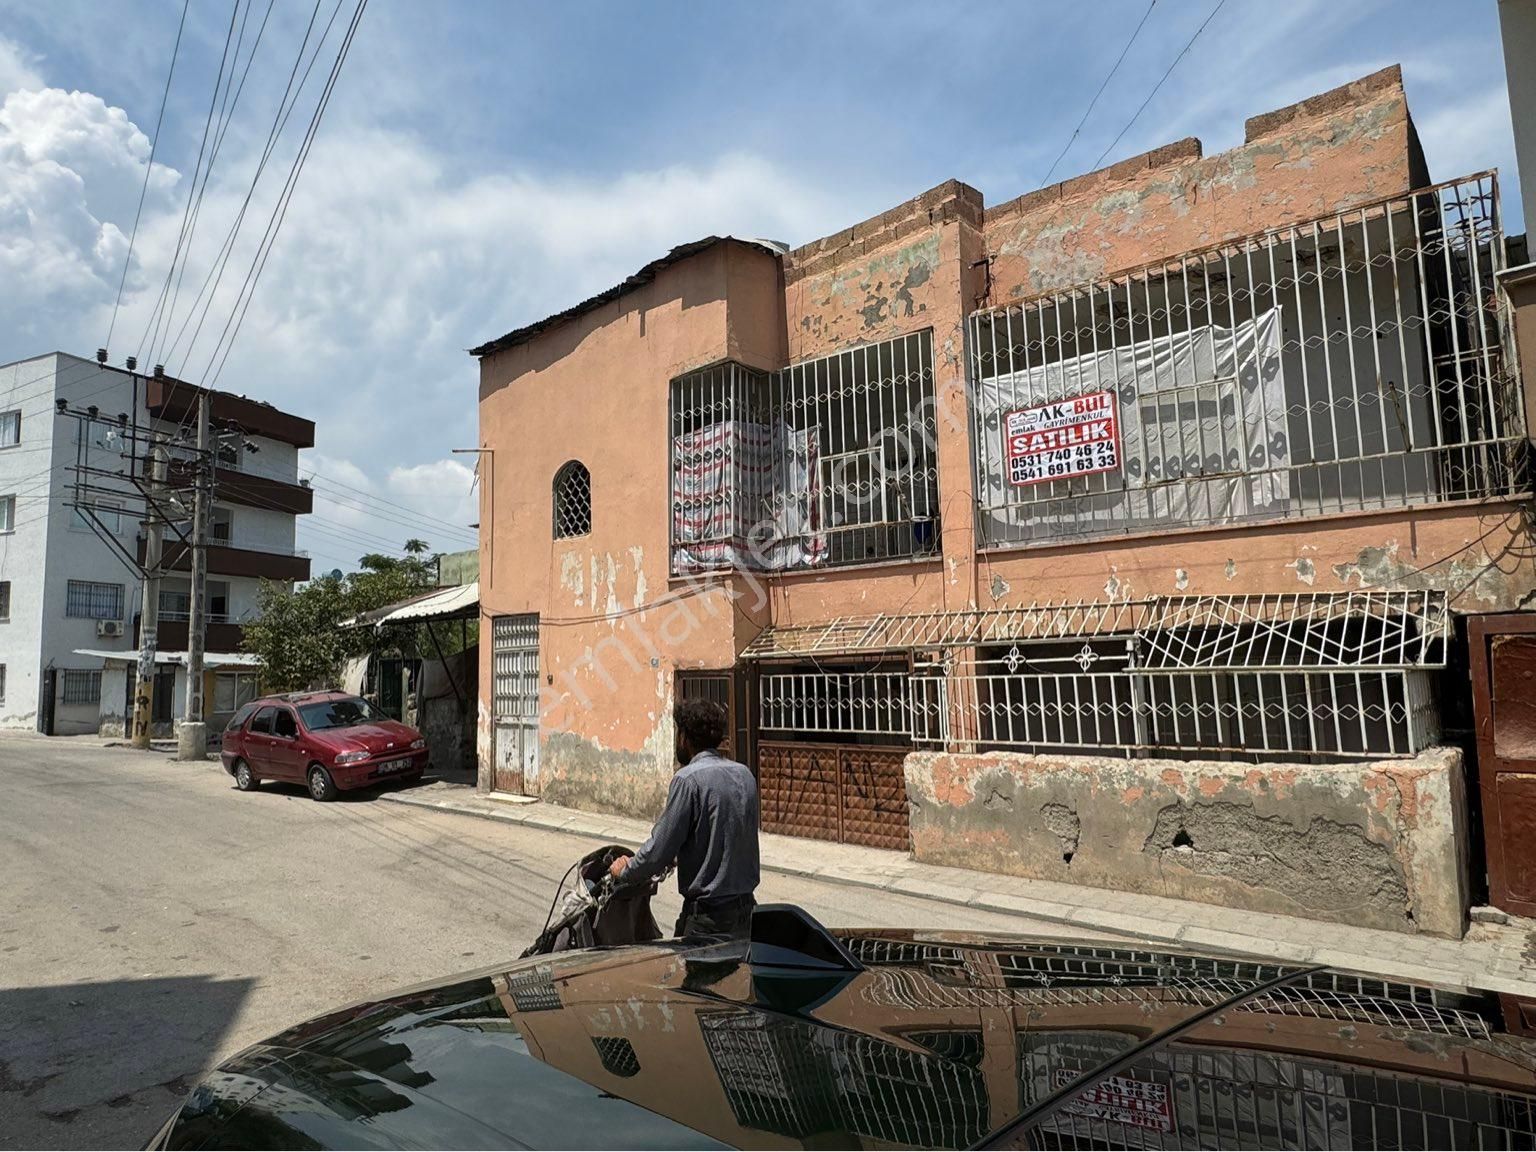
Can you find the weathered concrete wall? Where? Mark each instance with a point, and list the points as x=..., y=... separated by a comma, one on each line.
x=1380, y=845
x=1349, y=146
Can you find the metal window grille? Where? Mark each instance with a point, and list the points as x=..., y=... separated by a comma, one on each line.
x=534, y=990
x=572, y=500
x=1352, y=362
x=10, y=428
x=828, y=462
x=81, y=686
x=845, y=704
x=5, y=599
x=1195, y=1096
x=1339, y=675
x=91, y=600
x=515, y=667
x=617, y=1055
x=795, y=1081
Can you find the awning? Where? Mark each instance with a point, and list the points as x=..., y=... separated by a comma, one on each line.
x=210, y=659
x=1200, y=629
x=459, y=603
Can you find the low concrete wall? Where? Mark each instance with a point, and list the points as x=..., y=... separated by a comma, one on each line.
x=1378, y=845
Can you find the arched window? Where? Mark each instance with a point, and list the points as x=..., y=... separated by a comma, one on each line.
x=573, y=500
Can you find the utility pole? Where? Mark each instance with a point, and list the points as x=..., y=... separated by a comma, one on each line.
x=192, y=736
x=149, y=609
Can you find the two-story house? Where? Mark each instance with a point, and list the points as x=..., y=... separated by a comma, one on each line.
x=1122, y=533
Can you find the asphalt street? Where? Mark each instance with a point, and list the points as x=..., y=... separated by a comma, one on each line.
x=153, y=921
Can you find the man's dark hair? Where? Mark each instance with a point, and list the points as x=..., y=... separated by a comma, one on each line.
x=701, y=721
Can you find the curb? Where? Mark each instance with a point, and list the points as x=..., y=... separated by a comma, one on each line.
x=1193, y=936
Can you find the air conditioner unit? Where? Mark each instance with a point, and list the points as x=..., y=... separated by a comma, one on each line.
x=109, y=629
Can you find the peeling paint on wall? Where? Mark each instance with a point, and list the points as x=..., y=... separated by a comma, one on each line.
x=1305, y=570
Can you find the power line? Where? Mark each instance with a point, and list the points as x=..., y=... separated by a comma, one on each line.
x=226, y=115
x=148, y=170
x=1118, y=61
x=1168, y=72
x=333, y=482
x=155, y=315
x=419, y=527
x=280, y=212
x=279, y=122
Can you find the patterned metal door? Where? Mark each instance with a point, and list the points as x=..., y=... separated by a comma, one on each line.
x=515, y=702
x=1503, y=651
x=846, y=793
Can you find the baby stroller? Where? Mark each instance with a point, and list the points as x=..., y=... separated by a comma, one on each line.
x=596, y=912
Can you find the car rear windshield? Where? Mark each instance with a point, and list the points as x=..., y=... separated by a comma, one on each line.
x=239, y=718
x=337, y=713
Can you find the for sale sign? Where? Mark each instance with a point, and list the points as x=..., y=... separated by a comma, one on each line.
x=1063, y=439
x=1120, y=1100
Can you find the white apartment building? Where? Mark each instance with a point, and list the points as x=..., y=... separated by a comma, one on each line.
x=70, y=601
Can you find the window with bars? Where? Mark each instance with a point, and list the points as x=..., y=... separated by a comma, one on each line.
x=572, y=500
x=80, y=686
x=1348, y=363
x=10, y=428
x=5, y=600
x=828, y=462
x=90, y=600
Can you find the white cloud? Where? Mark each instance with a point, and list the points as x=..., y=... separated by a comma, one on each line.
x=70, y=171
x=16, y=68
x=442, y=490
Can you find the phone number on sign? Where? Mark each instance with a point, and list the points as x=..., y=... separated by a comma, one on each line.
x=1064, y=462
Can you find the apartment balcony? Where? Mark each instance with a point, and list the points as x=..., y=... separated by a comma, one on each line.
x=220, y=635
x=233, y=486
x=229, y=558
x=176, y=402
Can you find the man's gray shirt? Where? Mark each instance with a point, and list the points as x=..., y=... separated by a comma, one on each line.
x=709, y=828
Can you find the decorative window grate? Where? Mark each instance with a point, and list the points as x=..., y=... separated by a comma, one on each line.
x=90, y=600
x=617, y=1055
x=572, y=500
x=1330, y=675
x=80, y=686
x=828, y=462
x=1349, y=363
x=515, y=666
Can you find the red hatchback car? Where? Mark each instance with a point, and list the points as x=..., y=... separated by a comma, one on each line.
x=327, y=741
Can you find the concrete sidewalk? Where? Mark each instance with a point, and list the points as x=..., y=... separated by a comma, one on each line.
x=1496, y=957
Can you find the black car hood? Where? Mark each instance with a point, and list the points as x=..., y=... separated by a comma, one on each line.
x=913, y=1039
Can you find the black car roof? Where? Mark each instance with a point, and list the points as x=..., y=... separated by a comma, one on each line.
x=924, y=1039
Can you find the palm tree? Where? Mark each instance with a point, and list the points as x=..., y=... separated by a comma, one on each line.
x=416, y=547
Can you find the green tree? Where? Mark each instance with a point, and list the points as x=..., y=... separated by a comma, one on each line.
x=299, y=635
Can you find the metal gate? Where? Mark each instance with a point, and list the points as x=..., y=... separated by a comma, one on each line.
x=1503, y=657
x=851, y=794
x=515, y=702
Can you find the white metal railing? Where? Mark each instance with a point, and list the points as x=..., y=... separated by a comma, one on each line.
x=863, y=703
x=1352, y=362
x=832, y=461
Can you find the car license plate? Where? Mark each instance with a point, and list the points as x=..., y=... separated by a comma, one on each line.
x=394, y=766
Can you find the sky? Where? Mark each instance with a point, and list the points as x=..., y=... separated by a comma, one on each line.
x=483, y=164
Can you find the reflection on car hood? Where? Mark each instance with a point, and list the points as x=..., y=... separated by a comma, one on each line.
x=929, y=1040
x=374, y=736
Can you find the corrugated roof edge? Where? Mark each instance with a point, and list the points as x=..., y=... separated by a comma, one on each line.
x=639, y=279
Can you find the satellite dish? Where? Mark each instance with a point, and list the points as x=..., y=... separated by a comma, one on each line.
x=335, y=573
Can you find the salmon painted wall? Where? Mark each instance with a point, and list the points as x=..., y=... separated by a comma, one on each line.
x=613, y=627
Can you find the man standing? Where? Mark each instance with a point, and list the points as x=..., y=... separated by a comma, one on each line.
x=709, y=829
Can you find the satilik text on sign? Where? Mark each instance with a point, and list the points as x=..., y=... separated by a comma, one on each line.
x=1062, y=439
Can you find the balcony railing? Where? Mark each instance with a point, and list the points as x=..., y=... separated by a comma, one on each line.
x=1351, y=363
